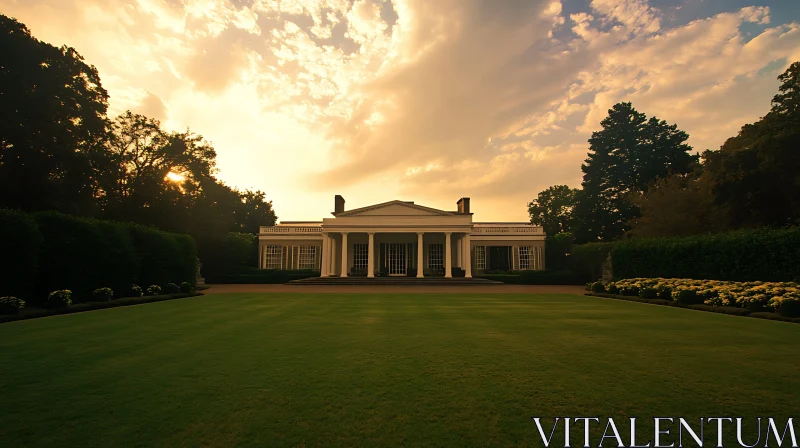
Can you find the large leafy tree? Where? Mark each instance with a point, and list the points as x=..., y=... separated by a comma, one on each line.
x=755, y=175
x=677, y=206
x=52, y=123
x=552, y=209
x=625, y=158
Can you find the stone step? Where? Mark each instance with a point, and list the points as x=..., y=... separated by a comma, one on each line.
x=395, y=281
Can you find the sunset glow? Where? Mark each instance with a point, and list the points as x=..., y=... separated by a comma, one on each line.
x=430, y=100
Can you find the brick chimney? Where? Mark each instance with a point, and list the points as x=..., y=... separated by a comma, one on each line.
x=463, y=206
x=338, y=204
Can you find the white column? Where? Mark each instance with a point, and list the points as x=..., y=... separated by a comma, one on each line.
x=467, y=257
x=323, y=270
x=262, y=255
x=371, y=256
x=459, y=248
x=448, y=256
x=344, y=254
x=419, y=255
x=332, y=259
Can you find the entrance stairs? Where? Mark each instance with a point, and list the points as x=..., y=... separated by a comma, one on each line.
x=396, y=281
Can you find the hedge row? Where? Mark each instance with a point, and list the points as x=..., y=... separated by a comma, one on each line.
x=763, y=254
x=746, y=255
x=260, y=276
x=227, y=254
x=48, y=251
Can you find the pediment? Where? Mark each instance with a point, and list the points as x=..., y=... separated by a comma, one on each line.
x=394, y=208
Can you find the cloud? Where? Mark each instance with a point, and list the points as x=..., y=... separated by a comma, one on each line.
x=416, y=99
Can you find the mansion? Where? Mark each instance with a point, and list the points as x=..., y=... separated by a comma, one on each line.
x=400, y=238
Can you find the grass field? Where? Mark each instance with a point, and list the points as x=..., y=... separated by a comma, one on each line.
x=462, y=370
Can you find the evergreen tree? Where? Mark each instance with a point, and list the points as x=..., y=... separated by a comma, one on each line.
x=625, y=158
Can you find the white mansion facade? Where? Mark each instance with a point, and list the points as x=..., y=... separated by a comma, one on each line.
x=397, y=238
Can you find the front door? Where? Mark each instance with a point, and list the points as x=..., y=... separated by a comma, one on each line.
x=396, y=259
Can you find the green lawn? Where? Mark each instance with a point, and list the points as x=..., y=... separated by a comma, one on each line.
x=327, y=370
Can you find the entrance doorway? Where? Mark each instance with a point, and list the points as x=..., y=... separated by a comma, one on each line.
x=396, y=259
x=499, y=258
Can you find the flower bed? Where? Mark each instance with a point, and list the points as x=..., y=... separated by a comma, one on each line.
x=781, y=297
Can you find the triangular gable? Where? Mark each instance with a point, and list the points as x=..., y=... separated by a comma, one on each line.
x=395, y=208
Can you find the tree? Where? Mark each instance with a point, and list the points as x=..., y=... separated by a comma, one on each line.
x=552, y=209
x=625, y=157
x=152, y=176
x=52, y=122
x=677, y=206
x=756, y=174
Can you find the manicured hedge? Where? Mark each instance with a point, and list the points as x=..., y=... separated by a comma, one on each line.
x=261, y=276
x=164, y=257
x=586, y=260
x=49, y=251
x=20, y=241
x=227, y=254
x=763, y=255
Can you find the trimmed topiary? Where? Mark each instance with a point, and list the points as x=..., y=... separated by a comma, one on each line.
x=648, y=293
x=136, y=291
x=59, y=299
x=172, y=288
x=687, y=297
x=186, y=287
x=598, y=287
x=153, y=290
x=11, y=305
x=102, y=294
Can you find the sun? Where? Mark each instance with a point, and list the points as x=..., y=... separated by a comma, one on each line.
x=175, y=177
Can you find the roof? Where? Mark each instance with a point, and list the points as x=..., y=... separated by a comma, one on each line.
x=409, y=204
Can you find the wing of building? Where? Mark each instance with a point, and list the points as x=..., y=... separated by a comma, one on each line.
x=400, y=238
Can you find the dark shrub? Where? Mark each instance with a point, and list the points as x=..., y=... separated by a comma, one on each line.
x=790, y=308
x=20, y=242
x=11, y=305
x=648, y=293
x=598, y=287
x=612, y=288
x=629, y=290
x=102, y=294
x=688, y=297
x=59, y=299
x=172, y=288
x=153, y=290
x=557, y=251
x=186, y=287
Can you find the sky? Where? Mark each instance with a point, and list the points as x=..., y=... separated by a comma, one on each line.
x=422, y=100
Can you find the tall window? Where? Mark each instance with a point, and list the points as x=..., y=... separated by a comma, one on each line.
x=308, y=257
x=360, y=257
x=273, y=257
x=480, y=257
x=435, y=256
x=525, y=258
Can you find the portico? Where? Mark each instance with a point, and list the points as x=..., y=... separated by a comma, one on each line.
x=397, y=238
